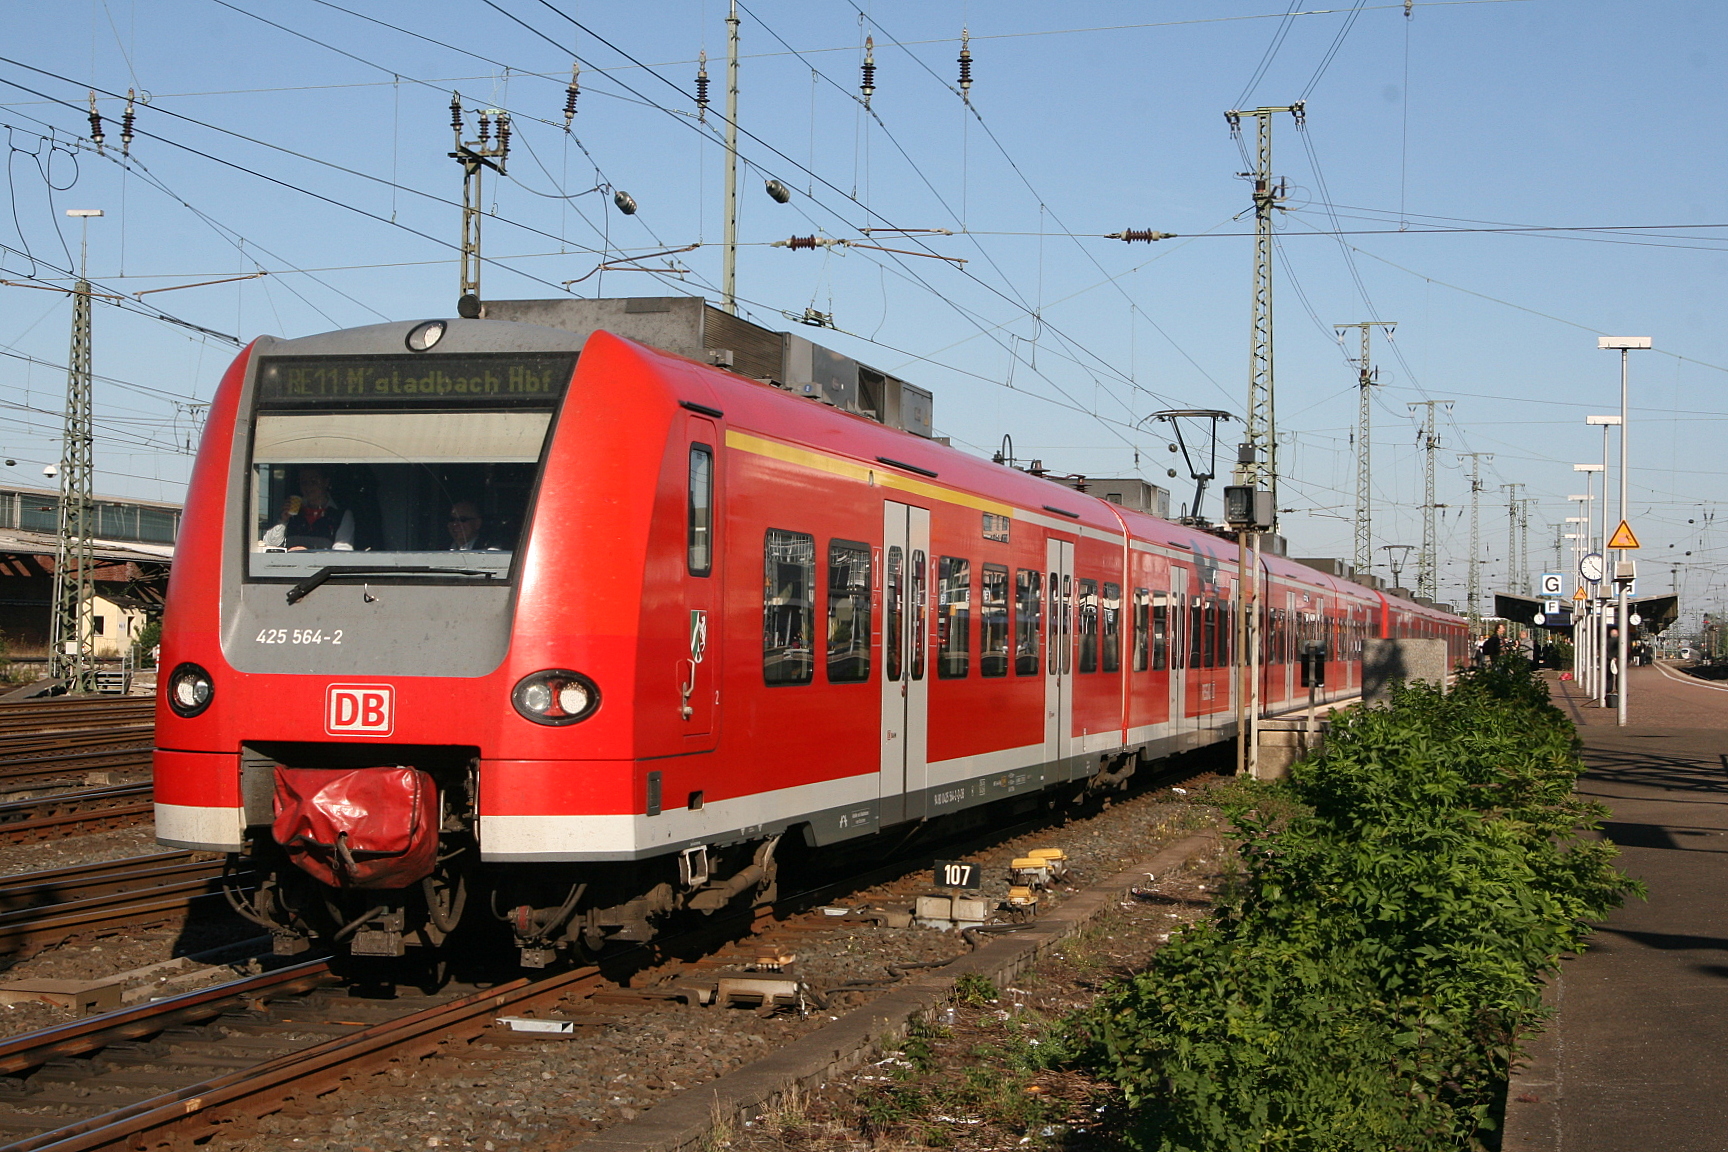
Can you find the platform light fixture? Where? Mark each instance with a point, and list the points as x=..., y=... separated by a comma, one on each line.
x=1623, y=345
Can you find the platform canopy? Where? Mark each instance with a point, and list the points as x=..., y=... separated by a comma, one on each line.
x=1657, y=611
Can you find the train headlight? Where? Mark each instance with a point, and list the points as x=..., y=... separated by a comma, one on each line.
x=189, y=690
x=422, y=336
x=556, y=696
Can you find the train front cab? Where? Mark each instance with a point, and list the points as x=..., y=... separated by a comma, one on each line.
x=460, y=621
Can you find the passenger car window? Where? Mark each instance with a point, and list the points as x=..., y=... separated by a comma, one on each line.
x=1160, y=631
x=894, y=591
x=954, y=618
x=1110, y=617
x=848, y=612
x=993, y=621
x=1087, y=625
x=789, y=577
x=1028, y=612
x=920, y=611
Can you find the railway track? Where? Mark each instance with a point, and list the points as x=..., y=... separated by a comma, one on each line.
x=204, y=1059
x=56, y=741
x=103, y=752
x=184, y=1068
x=75, y=813
x=64, y=712
x=63, y=905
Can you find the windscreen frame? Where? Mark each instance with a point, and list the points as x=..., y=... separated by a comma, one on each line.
x=560, y=364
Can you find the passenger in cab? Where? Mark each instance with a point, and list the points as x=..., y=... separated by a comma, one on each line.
x=312, y=521
x=468, y=529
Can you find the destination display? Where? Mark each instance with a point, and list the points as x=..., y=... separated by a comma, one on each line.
x=495, y=379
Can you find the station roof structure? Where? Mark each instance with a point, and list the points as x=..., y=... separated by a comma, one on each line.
x=1657, y=611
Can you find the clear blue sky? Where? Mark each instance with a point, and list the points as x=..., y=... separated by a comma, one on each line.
x=314, y=147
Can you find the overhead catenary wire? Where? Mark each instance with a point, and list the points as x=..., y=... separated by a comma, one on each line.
x=964, y=313
x=1038, y=313
x=1094, y=402
x=285, y=183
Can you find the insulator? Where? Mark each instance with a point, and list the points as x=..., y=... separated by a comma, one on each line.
x=570, y=93
x=503, y=134
x=626, y=202
x=456, y=113
x=1145, y=235
x=868, y=85
x=702, y=86
x=779, y=192
x=95, y=122
x=127, y=121
x=797, y=242
x=485, y=129
x=965, y=64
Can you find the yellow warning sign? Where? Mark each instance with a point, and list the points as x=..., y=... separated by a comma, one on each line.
x=1623, y=537
x=1578, y=594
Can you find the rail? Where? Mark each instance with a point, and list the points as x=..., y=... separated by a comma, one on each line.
x=75, y=813
x=335, y=1043
x=75, y=712
x=42, y=909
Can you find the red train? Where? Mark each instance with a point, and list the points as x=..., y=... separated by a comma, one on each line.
x=480, y=618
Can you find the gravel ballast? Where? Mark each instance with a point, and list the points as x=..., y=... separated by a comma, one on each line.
x=510, y=1090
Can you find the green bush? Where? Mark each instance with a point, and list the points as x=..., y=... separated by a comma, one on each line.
x=148, y=637
x=1364, y=983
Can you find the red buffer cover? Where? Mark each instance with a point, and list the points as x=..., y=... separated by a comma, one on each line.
x=361, y=828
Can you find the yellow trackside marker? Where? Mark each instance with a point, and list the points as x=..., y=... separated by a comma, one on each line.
x=1579, y=593
x=1623, y=537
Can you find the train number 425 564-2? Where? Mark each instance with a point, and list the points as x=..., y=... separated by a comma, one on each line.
x=299, y=636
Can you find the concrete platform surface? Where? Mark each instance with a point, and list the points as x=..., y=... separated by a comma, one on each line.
x=1638, y=1055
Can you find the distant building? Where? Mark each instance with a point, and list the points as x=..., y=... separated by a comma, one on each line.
x=134, y=547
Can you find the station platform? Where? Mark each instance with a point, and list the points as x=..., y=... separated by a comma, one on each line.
x=1637, y=1057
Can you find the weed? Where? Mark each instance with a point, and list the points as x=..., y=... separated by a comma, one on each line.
x=885, y=1108
x=975, y=991
x=722, y=1125
x=917, y=1048
x=787, y=1117
x=936, y=1136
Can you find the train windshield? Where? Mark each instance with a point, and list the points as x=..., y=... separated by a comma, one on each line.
x=405, y=461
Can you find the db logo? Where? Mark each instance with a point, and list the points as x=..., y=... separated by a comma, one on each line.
x=360, y=710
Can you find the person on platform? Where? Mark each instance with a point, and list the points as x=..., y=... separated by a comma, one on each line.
x=468, y=529
x=1613, y=646
x=312, y=521
x=1494, y=645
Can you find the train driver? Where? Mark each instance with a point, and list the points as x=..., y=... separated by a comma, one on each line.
x=312, y=521
x=468, y=529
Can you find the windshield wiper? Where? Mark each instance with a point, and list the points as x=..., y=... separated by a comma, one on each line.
x=312, y=582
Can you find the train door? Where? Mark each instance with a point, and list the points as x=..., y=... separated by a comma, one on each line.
x=1352, y=668
x=1292, y=646
x=1178, y=650
x=1058, y=682
x=698, y=685
x=905, y=636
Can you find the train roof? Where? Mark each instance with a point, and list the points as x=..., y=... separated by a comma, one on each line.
x=761, y=407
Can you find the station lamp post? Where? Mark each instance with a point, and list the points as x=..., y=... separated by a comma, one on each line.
x=1605, y=590
x=1580, y=537
x=1625, y=570
x=1593, y=634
